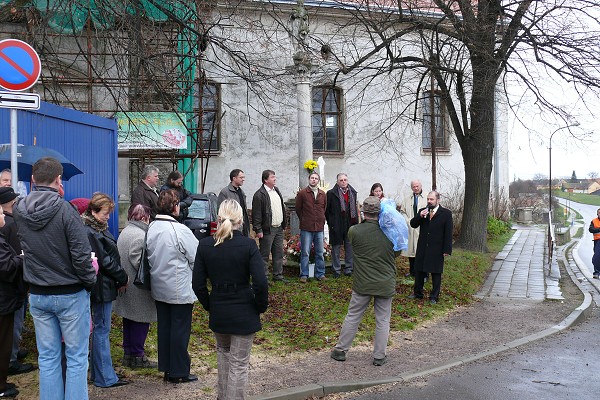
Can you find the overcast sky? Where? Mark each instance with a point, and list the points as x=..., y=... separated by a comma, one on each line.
x=574, y=149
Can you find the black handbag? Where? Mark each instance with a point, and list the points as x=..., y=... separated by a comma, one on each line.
x=142, y=277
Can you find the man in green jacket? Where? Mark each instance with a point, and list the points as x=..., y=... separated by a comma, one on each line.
x=374, y=277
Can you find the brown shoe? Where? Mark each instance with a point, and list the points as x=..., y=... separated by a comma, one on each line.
x=322, y=278
x=303, y=279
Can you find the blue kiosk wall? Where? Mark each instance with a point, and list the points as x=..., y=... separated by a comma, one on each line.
x=88, y=141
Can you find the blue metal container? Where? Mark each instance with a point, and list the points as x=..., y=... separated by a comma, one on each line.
x=88, y=141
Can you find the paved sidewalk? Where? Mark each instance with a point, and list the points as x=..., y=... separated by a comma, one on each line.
x=519, y=271
x=518, y=278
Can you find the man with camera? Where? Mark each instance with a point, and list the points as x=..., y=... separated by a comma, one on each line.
x=435, y=243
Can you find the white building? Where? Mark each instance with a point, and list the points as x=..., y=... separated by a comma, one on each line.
x=376, y=129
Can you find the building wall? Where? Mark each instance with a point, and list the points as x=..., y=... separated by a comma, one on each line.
x=379, y=146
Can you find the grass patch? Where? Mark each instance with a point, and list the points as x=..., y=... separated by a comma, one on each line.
x=309, y=316
x=579, y=233
x=582, y=198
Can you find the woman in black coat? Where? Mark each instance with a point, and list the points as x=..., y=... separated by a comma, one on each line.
x=111, y=278
x=230, y=261
x=12, y=290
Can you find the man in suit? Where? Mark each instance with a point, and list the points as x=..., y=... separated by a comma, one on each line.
x=435, y=243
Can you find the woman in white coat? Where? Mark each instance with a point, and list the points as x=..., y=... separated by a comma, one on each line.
x=171, y=252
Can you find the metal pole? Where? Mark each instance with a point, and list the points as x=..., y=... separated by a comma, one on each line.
x=13, y=149
x=550, y=176
x=550, y=163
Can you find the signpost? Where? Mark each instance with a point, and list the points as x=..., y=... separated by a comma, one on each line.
x=23, y=101
x=20, y=69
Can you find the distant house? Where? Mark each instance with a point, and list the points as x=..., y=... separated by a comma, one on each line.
x=584, y=186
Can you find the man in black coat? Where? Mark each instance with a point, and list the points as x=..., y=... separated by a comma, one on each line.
x=234, y=191
x=341, y=213
x=12, y=291
x=435, y=243
x=8, y=198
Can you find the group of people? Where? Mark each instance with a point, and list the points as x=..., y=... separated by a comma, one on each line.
x=75, y=272
x=180, y=268
x=78, y=274
x=375, y=269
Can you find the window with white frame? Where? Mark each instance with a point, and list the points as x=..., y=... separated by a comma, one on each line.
x=327, y=119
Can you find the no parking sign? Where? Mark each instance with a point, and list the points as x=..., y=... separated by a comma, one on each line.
x=20, y=65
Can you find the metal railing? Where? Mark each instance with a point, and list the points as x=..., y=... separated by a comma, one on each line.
x=551, y=240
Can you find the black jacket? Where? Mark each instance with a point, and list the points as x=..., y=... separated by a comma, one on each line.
x=12, y=288
x=261, y=211
x=435, y=240
x=9, y=231
x=185, y=200
x=111, y=274
x=229, y=192
x=57, y=252
x=234, y=305
x=338, y=224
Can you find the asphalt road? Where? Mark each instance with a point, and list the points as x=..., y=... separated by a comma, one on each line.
x=563, y=366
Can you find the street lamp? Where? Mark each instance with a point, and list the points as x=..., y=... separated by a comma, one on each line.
x=550, y=167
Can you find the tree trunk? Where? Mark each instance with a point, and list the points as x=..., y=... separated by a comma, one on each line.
x=478, y=169
x=478, y=150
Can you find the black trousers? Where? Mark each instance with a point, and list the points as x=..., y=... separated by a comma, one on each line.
x=411, y=266
x=6, y=341
x=436, y=283
x=173, y=328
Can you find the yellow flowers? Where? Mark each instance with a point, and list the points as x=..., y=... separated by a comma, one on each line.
x=310, y=165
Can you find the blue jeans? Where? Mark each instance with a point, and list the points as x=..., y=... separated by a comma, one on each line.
x=102, y=373
x=66, y=316
x=307, y=240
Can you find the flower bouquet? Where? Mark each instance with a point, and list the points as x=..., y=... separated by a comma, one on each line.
x=293, y=249
x=310, y=166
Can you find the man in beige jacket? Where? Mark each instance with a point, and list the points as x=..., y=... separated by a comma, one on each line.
x=409, y=208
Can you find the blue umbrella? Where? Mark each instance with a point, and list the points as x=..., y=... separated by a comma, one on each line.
x=28, y=155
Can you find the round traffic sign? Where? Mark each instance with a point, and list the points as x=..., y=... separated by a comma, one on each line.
x=20, y=65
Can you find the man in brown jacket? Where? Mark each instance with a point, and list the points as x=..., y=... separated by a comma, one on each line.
x=310, y=208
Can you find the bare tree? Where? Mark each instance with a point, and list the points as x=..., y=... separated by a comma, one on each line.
x=106, y=57
x=468, y=53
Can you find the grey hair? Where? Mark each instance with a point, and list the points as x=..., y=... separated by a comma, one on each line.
x=340, y=174
x=148, y=169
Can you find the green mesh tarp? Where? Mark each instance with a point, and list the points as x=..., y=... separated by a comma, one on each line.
x=70, y=16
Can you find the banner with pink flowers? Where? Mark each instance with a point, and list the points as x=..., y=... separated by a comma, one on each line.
x=151, y=130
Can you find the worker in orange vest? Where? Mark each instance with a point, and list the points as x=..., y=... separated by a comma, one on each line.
x=595, y=229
